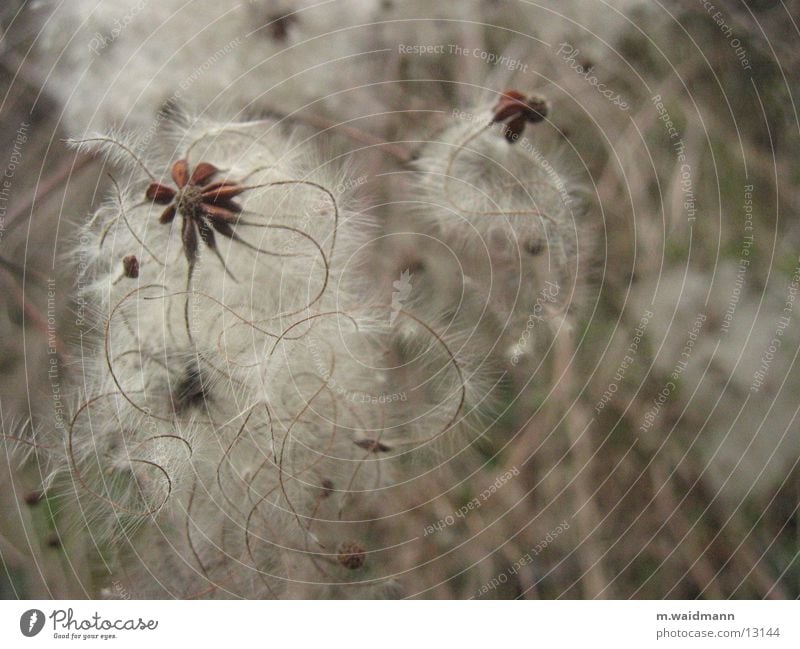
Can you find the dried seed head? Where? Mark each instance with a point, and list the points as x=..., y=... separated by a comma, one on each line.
x=130, y=266
x=515, y=110
x=372, y=445
x=327, y=488
x=201, y=430
x=205, y=207
x=352, y=555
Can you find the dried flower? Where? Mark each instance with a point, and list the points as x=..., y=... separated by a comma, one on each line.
x=516, y=110
x=202, y=205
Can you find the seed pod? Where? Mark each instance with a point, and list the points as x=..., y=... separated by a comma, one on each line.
x=130, y=265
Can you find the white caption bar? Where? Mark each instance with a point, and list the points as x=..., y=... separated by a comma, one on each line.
x=405, y=624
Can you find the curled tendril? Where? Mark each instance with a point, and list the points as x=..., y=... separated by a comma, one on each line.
x=108, y=356
x=124, y=216
x=233, y=443
x=78, y=475
x=121, y=145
